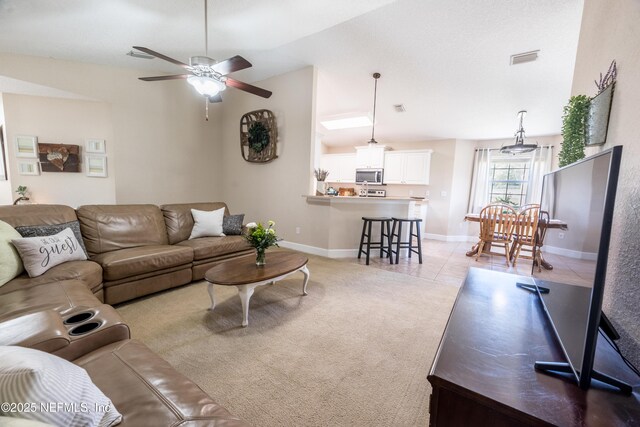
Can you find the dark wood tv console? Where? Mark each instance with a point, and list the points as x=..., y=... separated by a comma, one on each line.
x=483, y=371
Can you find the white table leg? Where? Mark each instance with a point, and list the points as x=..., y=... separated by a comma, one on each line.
x=245, y=292
x=213, y=299
x=306, y=273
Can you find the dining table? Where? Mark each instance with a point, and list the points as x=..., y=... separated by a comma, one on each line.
x=552, y=223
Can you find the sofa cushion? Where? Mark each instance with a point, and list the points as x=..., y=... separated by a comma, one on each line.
x=88, y=272
x=58, y=296
x=39, y=254
x=28, y=376
x=37, y=214
x=49, y=229
x=179, y=221
x=209, y=247
x=147, y=391
x=207, y=223
x=107, y=228
x=9, y=258
x=144, y=259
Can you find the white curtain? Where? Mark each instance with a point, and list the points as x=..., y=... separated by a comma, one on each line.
x=540, y=165
x=479, y=196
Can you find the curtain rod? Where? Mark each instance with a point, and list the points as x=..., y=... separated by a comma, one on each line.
x=497, y=149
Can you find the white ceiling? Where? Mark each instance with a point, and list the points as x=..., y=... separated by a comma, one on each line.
x=446, y=61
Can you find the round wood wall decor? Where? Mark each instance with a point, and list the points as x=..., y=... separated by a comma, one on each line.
x=258, y=136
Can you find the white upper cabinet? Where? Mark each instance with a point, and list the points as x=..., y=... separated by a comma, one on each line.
x=341, y=167
x=407, y=167
x=370, y=157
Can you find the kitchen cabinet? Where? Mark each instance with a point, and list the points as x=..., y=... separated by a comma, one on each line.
x=407, y=167
x=370, y=157
x=341, y=167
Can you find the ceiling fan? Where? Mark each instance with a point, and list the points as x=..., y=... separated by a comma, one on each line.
x=206, y=75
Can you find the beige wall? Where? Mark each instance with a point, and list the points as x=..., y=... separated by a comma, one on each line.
x=61, y=121
x=164, y=150
x=610, y=31
x=273, y=191
x=6, y=196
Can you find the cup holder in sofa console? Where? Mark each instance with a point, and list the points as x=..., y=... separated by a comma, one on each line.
x=80, y=317
x=84, y=328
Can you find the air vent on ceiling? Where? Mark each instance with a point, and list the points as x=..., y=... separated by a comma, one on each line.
x=399, y=108
x=521, y=58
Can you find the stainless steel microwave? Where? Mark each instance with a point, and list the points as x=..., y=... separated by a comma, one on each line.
x=369, y=176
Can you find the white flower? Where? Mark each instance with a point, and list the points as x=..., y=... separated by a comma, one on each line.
x=271, y=223
x=252, y=225
x=271, y=231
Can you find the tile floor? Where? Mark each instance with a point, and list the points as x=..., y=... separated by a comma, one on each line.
x=446, y=262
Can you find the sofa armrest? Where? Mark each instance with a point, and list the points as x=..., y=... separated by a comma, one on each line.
x=42, y=330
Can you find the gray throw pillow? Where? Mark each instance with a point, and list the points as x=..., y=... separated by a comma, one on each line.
x=50, y=229
x=232, y=224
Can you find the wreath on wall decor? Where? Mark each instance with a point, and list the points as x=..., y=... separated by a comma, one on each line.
x=258, y=136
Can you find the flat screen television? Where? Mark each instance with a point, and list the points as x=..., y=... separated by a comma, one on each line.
x=582, y=196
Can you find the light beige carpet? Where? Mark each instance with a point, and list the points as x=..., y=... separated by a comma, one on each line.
x=354, y=352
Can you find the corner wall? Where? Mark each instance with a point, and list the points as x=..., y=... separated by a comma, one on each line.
x=610, y=31
x=164, y=149
x=274, y=191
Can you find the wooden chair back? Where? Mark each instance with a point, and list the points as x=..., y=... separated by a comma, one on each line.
x=497, y=222
x=527, y=224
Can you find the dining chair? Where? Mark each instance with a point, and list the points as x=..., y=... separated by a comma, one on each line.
x=526, y=228
x=541, y=231
x=496, y=228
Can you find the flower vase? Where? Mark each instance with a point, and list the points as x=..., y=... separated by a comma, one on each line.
x=260, y=254
x=321, y=188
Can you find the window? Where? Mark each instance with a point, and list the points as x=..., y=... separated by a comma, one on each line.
x=509, y=180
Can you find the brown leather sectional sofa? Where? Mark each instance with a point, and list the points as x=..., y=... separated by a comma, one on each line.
x=133, y=250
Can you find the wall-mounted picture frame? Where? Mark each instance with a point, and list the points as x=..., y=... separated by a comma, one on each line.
x=95, y=166
x=28, y=167
x=96, y=146
x=27, y=147
x=59, y=157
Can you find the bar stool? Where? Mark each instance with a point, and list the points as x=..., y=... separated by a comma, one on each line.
x=385, y=232
x=417, y=249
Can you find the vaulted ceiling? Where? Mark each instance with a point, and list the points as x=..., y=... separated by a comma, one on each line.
x=446, y=61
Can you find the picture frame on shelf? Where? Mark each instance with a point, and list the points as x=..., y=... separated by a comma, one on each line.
x=27, y=147
x=95, y=146
x=95, y=166
x=28, y=167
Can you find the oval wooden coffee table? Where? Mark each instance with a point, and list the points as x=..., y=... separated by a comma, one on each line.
x=244, y=274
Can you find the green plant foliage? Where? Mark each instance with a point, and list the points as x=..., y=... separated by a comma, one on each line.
x=574, y=129
x=258, y=137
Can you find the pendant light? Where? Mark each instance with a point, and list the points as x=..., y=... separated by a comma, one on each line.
x=376, y=76
x=519, y=146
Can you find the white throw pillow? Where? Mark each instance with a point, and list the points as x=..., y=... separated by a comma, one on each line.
x=207, y=223
x=55, y=390
x=9, y=258
x=39, y=254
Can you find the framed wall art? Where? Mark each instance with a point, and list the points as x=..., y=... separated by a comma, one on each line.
x=258, y=136
x=96, y=146
x=26, y=147
x=28, y=167
x=95, y=166
x=59, y=157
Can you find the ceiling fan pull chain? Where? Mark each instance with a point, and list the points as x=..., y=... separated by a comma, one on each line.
x=206, y=109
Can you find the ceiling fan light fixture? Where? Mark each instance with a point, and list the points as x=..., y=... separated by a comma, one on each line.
x=519, y=146
x=206, y=86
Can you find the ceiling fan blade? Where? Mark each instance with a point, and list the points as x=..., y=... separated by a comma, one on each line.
x=248, y=88
x=161, y=56
x=230, y=65
x=215, y=98
x=172, y=77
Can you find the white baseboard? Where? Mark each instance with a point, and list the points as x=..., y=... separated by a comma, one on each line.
x=569, y=253
x=447, y=238
x=304, y=248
